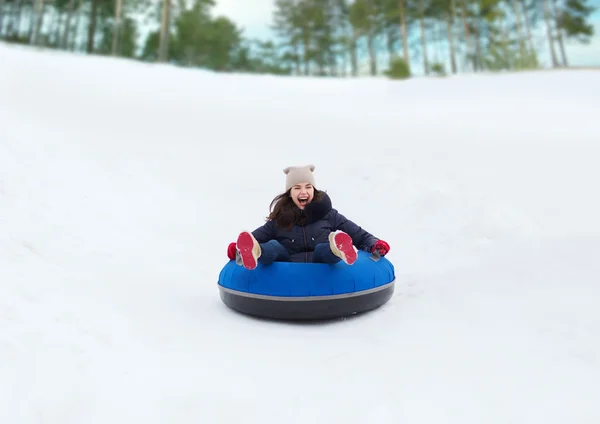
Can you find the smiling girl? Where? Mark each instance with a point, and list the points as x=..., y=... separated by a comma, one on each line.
x=303, y=227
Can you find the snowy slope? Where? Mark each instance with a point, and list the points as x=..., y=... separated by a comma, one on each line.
x=121, y=185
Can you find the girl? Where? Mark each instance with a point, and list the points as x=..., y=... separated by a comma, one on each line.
x=303, y=227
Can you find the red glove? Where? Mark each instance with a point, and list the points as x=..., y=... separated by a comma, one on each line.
x=382, y=246
x=231, y=251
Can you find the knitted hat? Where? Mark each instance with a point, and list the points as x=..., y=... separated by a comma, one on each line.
x=299, y=174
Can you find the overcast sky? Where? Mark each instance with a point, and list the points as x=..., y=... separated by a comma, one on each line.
x=255, y=16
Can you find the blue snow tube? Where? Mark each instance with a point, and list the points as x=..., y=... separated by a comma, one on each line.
x=308, y=291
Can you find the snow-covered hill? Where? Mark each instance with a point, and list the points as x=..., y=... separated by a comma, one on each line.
x=122, y=183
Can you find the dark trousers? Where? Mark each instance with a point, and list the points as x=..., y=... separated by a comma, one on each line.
x=273, y=251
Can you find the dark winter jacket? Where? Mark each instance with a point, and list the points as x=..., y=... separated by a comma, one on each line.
x=320, y=220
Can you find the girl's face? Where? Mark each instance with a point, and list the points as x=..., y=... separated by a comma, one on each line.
x=302, y=194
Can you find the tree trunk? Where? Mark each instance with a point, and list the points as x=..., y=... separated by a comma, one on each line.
x=344, y=65
x=92, y=27
x=423, y=36
x=306, y=42
x=371, y=40
x=478, y=48
x=451, y=42
x=332, y=62
x=467, y=32
x=117, y=28
x=353, y=53
x=31, y=21
x=452, y=19
x=559, y=34
x=404, y=33
x=37, y=26
x=165, y=31
x=508, y=63
x=390, y=44
x=523, y=60
x=57, y=29
x=297, y=56
x=14, y=10
x=65, y=37
x=76, y=26
x=549, y=34
x=321, y=64
x=372, y=54
x=2, y=3
x=531, y=47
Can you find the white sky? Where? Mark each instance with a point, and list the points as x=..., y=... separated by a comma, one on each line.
x=254, y=16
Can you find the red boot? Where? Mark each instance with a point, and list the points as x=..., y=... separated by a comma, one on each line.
x=341, y=245
x=249, y=250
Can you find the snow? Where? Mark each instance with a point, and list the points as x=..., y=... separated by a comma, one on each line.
x=122, y=183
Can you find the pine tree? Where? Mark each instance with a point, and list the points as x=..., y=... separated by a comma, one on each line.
x=572, y=20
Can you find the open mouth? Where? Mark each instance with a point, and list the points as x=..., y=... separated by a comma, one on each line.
x=303, y=200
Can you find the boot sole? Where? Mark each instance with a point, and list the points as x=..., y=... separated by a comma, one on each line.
x=346, y=251
x=247, y=247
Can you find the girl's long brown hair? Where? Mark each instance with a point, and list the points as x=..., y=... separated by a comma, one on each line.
x=284, y=211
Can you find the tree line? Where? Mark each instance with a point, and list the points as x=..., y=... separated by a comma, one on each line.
x=312, y=37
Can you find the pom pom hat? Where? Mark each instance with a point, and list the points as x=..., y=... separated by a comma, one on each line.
x=298, y=175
